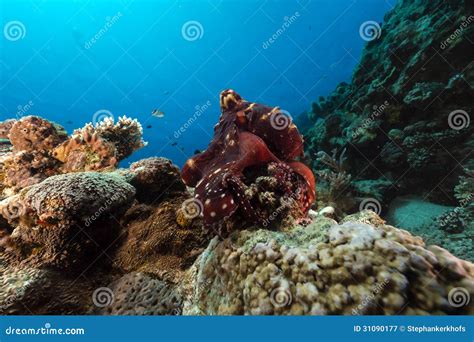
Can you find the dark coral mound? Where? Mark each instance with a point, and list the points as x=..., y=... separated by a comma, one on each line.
x=248, y=135
x=404, y=119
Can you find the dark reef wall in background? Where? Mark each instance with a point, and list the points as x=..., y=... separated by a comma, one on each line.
x=403, y=121
x=398, y=138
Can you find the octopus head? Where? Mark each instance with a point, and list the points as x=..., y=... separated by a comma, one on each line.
x=229, y=100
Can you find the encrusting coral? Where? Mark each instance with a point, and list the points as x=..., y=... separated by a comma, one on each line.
x=360, y=266
x=29, y=162
x=155, y=178
x=100, y=146
x=63, y=220
x=140, y=294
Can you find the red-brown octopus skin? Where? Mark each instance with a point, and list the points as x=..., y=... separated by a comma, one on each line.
x=246, y=135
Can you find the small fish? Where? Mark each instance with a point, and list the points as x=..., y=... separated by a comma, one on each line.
x=158, y=113
x=166, y=92
x=197, y=151
x=174, y=144
x=149, y=126
x=69, y=122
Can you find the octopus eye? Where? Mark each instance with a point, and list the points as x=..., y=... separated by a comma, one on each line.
x=229, y=99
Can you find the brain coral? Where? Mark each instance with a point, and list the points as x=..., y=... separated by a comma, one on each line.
x=139, y=294
x=328, y=268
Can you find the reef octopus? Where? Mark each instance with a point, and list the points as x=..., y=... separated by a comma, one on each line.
x=247, y=134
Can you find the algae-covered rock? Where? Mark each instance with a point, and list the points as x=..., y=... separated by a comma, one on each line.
x=327, y=268
x=28, y=290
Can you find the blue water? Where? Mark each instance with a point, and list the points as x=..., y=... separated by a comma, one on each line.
x=143, y=60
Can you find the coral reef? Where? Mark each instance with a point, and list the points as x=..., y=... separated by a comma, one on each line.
x=79, y=236
x=100, y=146
x=40, y=149
x=360, y=266
x=247, y=135
x=404, y=123
x=405, y=113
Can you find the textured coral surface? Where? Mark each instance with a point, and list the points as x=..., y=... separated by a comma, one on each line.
x=360, y=266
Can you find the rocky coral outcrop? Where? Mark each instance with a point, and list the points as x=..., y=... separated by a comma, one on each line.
x=155, y=179
x=361, y=266
x=100, y=146
x=29, y=162
x=406, y=112
x=33, y=133
x=37, y=149
x=67, y=217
